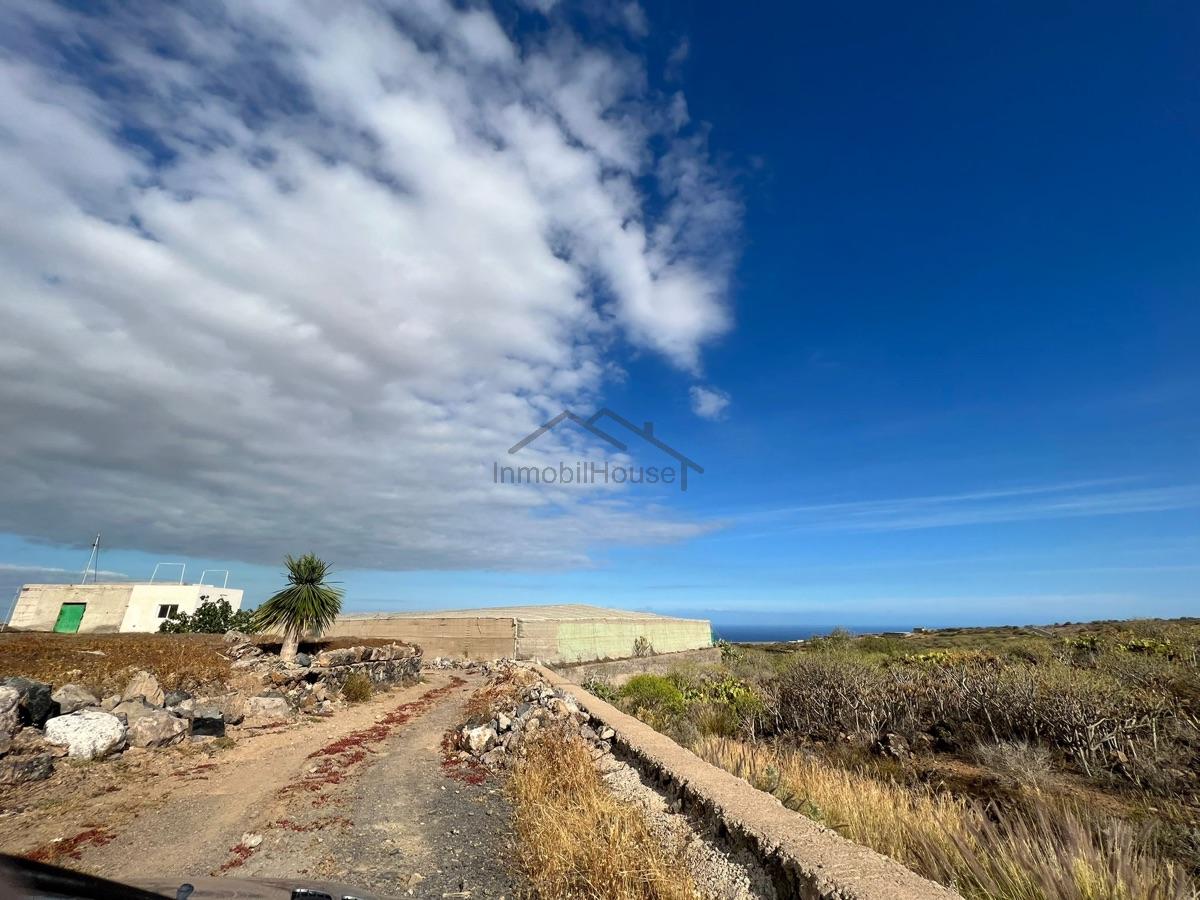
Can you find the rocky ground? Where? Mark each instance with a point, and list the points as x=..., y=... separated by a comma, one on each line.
x=520, y=703
x=401, y=796
x=362, y=797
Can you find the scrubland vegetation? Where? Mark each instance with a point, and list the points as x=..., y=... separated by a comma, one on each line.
x=1007, y=763
x=577, y=839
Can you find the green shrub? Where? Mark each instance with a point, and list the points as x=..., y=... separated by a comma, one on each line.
x=601, y=689
x=358, y=688
x=212, y=617
x=652, y=693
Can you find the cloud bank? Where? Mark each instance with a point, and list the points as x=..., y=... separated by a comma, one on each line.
x=290, y=276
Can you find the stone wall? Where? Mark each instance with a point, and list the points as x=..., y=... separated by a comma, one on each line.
x=395, y=664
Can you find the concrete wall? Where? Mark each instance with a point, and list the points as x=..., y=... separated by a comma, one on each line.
x=618, y=671
x=454, y=636
x=38, y=605
x=552, y=633
x=805, y=860
x=111, y=607
x=142, y=612
x=606, y=638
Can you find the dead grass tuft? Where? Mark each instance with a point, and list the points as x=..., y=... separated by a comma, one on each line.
x=577, y=840
x=358, y=688
x=1049, y=850
x=102, y=662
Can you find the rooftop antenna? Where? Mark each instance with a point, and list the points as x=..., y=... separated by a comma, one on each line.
x=11, y=607
x=93, y=562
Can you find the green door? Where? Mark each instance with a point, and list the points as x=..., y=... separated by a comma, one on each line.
x=69, y=617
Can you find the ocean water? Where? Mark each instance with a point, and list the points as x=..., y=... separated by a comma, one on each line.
x=749, y=633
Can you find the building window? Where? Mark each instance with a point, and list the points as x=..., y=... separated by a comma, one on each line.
x=166, y=610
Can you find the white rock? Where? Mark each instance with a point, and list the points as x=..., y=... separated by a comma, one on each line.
x=503, y=721
x=87, y=734
x=479, y=740
x=606, y=733
x=251, y=839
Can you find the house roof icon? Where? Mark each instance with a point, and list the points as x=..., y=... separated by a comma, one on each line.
x=646, y=433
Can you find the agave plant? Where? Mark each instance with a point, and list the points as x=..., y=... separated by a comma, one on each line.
x=308, y=605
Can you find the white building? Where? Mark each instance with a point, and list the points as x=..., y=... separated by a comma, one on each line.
x=96, y=608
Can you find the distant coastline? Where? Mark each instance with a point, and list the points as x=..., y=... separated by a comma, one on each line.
x=768, y=633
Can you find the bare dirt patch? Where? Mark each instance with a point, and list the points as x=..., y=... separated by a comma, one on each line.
x=180, y=810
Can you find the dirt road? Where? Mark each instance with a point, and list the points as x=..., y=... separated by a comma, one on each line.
x=364, y=798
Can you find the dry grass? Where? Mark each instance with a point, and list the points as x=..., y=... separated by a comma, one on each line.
x=358, y=688
x=576, y=840
x=1039, y=850
x=1021, y=764
x=103, y=662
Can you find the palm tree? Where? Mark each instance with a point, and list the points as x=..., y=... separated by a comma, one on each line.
x=308, y=605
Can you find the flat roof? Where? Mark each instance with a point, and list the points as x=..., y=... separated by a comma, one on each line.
x=101, y=584
x=561, y=612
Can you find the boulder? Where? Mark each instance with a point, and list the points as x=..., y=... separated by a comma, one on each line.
x=207, y=721
x=236, y=637
x=494, y=757
x=174, y=698
x=231, y=705
x=144, y=686
x=87, y=734
x=479, y=740
x=184, y=709
x=22, y=769
x=158, y=728
x=35, y=704
x=71, y=697
x=129, y=710
x=268, y=707
x=303, y=659
x=109, y=702
x=10, y=709
x=503, y=722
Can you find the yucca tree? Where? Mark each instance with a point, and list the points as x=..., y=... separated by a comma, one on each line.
x=308, y=605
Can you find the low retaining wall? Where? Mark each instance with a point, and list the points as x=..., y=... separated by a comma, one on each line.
x=804, y=859
x=619, y=671
x=395, y=664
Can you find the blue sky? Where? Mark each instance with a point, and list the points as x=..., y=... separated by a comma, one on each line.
x=917, y=288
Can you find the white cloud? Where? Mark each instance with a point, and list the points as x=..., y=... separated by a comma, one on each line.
x=709, y=403
x=1064, y=500
x=677, y=58
x=291, y=277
